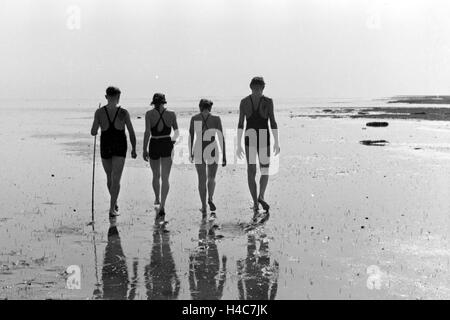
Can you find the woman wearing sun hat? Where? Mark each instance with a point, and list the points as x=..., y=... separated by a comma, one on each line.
x=159, y=123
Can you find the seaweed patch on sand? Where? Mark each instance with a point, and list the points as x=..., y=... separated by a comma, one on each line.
x=402, y=113
x=415, y=113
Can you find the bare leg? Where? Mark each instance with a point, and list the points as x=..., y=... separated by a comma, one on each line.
x=263, y=181
x=212, y=170
x=155, y=165
x=166, y=165
x=250, y=154
x=107, y=165
x=116, y=174
x=201, y=172
x=264, y=163
x=251, y=176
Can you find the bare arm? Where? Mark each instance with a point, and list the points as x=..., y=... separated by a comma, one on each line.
x=130, y=131
x=222, y=142
x=273, y=123
x=146, y=135
x=176, y=133
x=274, y=127
x=240, y=129
x=191, y=137
x=95, y=124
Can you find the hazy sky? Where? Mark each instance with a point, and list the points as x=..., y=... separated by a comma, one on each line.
x=190, y=48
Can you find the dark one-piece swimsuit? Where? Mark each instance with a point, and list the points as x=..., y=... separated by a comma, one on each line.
x=113, y=142
x=207, y=142
x=260, y=126
x=160, y=147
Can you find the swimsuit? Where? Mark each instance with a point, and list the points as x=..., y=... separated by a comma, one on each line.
x=257, y=131
x=161, y=147
x=210, y=157
x=113, y=142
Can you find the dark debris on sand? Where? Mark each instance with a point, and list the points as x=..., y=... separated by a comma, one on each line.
x=377, y=124
x=374, y=142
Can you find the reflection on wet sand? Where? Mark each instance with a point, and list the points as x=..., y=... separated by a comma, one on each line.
x=161, y=279
x=206, y=280
x=114, y=273
x=134, y=281
x=258, y=278
x=97, y=294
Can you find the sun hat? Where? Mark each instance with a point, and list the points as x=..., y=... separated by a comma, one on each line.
x=159, y=98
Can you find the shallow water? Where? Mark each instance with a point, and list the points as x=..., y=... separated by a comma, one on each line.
x=347, y=221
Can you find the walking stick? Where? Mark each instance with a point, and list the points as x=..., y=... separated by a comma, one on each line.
x=93, y=174
x=97, y=290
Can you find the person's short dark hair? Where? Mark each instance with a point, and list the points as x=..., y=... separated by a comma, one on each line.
x=112, y=91
x=257, y=81
x=205, y=104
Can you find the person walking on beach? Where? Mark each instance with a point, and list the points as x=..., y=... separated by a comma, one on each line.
x=257, y=110
x=204, y=152
x=113, y=142
x=158, y=126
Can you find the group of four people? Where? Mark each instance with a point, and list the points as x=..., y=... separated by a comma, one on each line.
x=256, y=110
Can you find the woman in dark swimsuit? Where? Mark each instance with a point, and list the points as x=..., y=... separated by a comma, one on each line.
x=258, y=111
x=204, y=152
x=113, y=142
x=158, y=126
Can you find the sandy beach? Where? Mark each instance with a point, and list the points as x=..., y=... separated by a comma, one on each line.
x=348, y=220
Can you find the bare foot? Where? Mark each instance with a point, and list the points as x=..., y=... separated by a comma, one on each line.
x=212, y=206
x=113, y=213
x=264, y=204
x=161, y=213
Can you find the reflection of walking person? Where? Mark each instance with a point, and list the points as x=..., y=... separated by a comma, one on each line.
x=161, y=278
x=113, y=142
x=114, y=273
x=205, y=152
x=158, y=126
x=258, y=277
x=257, y=110
x=206, y=280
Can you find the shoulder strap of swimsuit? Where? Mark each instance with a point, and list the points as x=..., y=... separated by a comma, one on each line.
x=259, y=103
x=251, y=101
x=107, y=114
x=115, y=116
x=160, y=118
x=204, y=121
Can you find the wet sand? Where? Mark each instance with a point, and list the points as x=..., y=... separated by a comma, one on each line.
x=348, y=220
